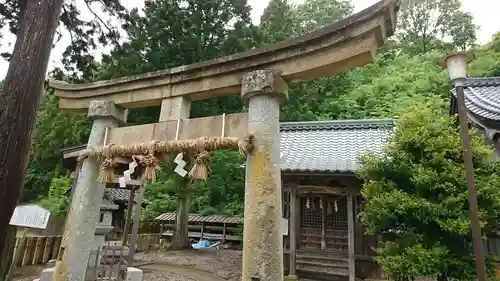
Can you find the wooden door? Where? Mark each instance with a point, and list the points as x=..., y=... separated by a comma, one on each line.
x=323, y=222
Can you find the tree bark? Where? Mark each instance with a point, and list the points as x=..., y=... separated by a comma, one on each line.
x=180, y=240
x=20, y=98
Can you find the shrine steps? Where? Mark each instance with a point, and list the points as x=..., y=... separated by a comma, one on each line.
x=322, y=265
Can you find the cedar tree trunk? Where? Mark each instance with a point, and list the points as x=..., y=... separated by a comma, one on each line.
x=20, y=97
x=180, y=240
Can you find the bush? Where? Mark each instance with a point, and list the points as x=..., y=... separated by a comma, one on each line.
x=416, y=197
x=58, y=199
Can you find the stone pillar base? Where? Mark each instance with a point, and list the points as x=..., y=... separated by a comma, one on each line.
x=134, y=274
x=46, y=274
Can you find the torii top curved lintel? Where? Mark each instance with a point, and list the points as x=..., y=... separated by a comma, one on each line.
x=346, y=44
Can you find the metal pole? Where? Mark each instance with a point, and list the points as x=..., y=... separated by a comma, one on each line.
x=467, y=156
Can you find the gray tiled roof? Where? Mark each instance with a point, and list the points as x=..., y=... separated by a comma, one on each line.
x=201, y=218
x=331, y=146
x=320, y=146
x=482, y=97
x=118, y=195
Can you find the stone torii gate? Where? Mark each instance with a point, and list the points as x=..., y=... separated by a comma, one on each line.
x=261, y=76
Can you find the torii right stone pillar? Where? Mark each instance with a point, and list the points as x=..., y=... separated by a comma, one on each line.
x=262, y=234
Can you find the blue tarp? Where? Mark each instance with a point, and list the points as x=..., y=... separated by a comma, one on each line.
x=202, y=244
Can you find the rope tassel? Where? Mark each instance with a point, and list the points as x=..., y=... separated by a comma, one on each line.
x=146, y=154
x=201, y=167
x=150, y=162
x=107, y=168
x=107, y=171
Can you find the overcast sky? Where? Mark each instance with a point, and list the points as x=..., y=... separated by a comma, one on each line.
x=485, y=12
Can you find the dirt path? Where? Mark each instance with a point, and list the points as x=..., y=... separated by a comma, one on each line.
x=192, y=273
x=27, y=273
x=221, y=264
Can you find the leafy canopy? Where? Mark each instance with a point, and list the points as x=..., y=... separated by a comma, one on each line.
x=416, y=197
x=86, y=34
x=427, y=25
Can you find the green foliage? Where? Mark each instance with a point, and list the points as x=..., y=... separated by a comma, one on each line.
x=416, y=197
x=282, y=20
x=53, y=131
x=165, y=192
x=313, y=14
x=277, y=23
x=487, y=59
x=390, y=85
x=86, y=34
x=428, y=25
x=169, y=33
x=57, y=200
x=223, y=192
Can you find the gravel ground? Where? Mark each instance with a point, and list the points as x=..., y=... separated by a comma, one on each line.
x=156, y=275
x=27, y=273
x=221, y=264
x=149, y=275
x=224, y=264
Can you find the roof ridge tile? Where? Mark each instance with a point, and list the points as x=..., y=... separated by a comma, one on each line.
x=482, y=81
x=342, y=124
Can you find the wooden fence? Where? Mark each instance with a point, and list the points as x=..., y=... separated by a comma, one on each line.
x=147, y=242
x=35, y=250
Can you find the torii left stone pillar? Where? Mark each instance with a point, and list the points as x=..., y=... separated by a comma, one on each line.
x=83, y=214
x=265, y=90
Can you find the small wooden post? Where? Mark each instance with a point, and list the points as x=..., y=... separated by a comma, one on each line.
x=55, y=249
x=20, y=249
x=129, y=216
x=292, y=231
x=224, y=234
x=39, y=249
x=323, y=224
x=49, y=243
x=135, y=226
x=150, y=241
x=30, y=249
x=202, y=229
x=350, y=237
